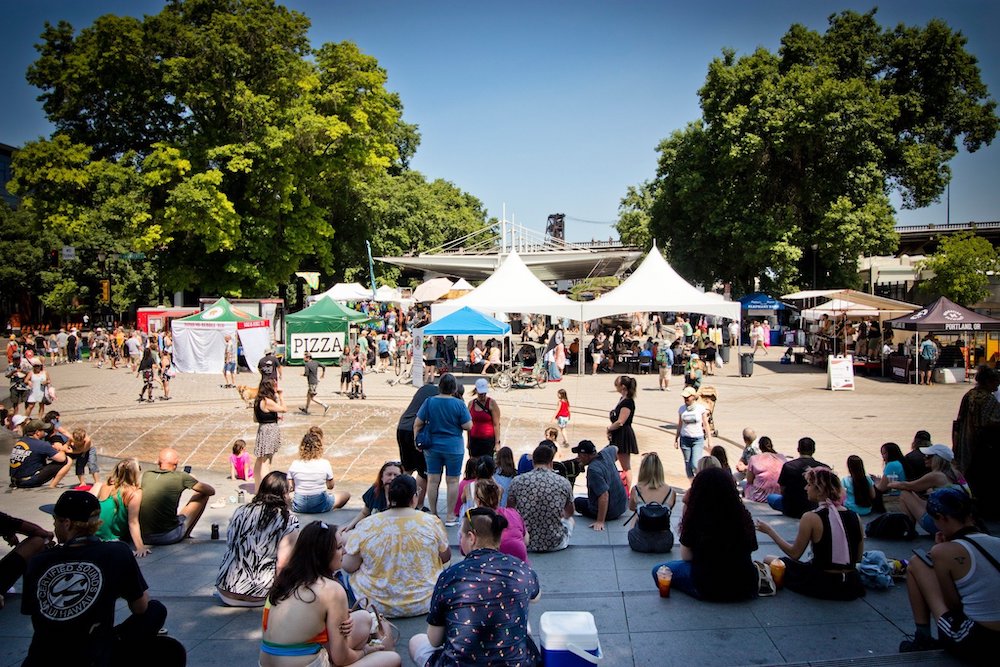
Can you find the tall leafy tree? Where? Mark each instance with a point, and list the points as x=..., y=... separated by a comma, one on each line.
x=803, y=147
x=961, y=268
x=213, y=138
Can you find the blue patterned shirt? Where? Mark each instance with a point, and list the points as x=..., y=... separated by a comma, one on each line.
x=482, y=602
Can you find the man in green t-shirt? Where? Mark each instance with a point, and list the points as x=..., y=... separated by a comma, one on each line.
x=160, y=522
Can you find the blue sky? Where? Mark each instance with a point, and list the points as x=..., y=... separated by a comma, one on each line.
x=551, y=106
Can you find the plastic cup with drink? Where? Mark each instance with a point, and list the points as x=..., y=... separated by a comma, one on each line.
x=663, y=578
x=778, y=572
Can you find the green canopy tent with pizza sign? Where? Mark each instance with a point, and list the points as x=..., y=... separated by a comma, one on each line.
x=321, y=330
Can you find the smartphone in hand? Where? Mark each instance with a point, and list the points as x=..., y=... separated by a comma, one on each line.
x=924, y=556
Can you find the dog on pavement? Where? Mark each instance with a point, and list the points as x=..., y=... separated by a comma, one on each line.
x=247, y=393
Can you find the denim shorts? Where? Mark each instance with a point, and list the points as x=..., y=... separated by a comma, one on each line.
x=229, y=367
x=438, y=460
x=314, y=504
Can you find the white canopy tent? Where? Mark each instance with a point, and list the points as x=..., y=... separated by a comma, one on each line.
x=199, y=339
x=655, y=287
x=845, y=308
x=345, y=292
x=512, y=288
x=386, y=294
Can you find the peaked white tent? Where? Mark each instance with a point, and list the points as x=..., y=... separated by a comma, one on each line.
x=512, y=288
x=655, y=287
x=345, y=292
x=199, y=339
x=386, y=294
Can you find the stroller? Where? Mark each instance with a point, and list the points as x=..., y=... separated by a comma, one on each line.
x=709, y=397
x=357, y=385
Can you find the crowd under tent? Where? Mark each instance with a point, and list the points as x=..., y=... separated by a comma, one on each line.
x=944, y=316
x=463, y=322
x=199, y=339
x=322, y=330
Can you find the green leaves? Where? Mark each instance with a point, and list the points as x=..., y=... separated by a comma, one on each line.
x=961, y=266
x=803, y=148
x=214, y=138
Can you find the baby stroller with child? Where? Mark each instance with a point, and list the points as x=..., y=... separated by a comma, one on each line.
x=356, y=389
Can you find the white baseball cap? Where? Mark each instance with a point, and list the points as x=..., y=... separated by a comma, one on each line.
x=482, y=386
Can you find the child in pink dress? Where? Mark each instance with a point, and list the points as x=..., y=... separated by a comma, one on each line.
x=240, y=465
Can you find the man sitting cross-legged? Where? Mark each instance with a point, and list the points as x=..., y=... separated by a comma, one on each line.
x=159, y=519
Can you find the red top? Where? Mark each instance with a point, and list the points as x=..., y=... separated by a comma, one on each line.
x=563, y=409
x=482, y=419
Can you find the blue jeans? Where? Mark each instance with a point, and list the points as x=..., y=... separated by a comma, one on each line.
x=682, y=579
x=775, y=501
x=689, y=450
x=314, y=504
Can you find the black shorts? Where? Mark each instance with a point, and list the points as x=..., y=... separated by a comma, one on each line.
x=481, y=447
x=345, y=376
x=411, y=457
x=383, y=355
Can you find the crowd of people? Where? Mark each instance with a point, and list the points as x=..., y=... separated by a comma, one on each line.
x=320, y=583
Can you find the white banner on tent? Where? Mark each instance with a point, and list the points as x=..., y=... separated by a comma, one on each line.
x=321, y=345
x=840, y=373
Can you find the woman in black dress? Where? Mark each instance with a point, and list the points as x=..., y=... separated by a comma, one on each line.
x=620, y=433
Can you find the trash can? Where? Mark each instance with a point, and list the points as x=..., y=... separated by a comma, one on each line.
x=799, y=357
x=724, y=353
x=746, y=364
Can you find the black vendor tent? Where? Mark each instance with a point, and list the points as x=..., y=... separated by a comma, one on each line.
x=946, y=316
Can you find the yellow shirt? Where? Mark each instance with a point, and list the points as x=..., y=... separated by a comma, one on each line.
x=400, y=560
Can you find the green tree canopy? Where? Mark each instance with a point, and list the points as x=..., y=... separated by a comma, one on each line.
x=961, y=268
x=215, y=139
x=803, y=147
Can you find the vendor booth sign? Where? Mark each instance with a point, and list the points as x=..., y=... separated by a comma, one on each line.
x=840, y=373
x=329, y=345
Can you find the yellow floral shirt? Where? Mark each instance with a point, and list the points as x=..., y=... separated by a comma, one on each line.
x=400, y=560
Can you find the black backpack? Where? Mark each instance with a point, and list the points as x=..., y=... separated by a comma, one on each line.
x=891, y=526
x=652, y=517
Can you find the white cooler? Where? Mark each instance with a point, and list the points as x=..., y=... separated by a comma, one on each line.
x=569, y=639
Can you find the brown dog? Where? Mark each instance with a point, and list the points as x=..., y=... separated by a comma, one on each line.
x=248, y=394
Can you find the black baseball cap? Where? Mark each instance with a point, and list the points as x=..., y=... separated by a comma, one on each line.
x=585, y=447
x=77, y=506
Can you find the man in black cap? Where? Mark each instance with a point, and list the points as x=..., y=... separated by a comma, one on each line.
x=33, y=461
x=606, y=497
x=70, y=593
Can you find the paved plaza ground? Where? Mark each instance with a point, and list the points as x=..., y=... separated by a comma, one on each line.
x=598, y=573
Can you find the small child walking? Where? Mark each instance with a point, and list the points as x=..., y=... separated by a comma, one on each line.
x=240, y=465
x=562, y=416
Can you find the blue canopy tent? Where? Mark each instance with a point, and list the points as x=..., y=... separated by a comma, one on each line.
x=463, y=322
x=467, y=322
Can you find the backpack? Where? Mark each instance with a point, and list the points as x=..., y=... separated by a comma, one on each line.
x=652, y=517
x=891, y=526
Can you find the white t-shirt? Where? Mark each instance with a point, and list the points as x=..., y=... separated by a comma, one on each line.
x=691, y=420
x=310, y=476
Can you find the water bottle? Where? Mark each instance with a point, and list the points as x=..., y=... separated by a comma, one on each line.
x=215, y=531
x=242, y=496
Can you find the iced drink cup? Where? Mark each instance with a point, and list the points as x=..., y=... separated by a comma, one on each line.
x=663, y=577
